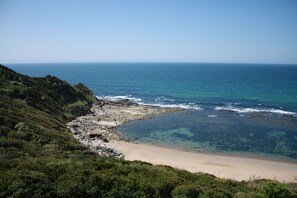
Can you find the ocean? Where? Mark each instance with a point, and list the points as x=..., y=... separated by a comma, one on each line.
x=242, y=109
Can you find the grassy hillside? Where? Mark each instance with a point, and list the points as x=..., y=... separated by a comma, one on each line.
x=39, y=157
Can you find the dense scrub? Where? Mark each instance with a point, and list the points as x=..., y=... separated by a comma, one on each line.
x=39, y=157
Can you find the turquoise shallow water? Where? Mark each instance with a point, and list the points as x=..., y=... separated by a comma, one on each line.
x=230, y=107
x=220, y=131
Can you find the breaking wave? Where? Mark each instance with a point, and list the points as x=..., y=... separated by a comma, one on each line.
x=118, y=98
x=255, y=110
x=183, y=106
x=159, y=102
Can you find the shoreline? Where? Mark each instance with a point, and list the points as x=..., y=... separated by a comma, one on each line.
x=98, y=131
x=260, y=156
x=228, y=167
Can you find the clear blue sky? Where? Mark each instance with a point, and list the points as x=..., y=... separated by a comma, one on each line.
x=257, y=31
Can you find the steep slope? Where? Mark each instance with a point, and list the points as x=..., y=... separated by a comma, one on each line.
x=40, y=158
x=48, y=94
x=33, y=112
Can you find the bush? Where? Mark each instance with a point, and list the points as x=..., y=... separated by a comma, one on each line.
x=30, y=184
x=186, y=191
x=275, y=190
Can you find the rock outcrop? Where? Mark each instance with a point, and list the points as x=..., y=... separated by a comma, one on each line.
x=97, y=129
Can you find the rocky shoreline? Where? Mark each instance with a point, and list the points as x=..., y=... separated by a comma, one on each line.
x=97, y=129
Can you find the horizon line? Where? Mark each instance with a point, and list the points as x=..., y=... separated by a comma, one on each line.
x=149, y=62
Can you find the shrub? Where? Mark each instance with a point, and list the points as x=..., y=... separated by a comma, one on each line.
x=186, y=191
x=30, y=184
x=275, y=190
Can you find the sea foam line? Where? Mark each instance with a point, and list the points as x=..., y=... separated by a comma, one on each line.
x=139, y=101
x=183, y=106
x=255, y=110
x=118, y=98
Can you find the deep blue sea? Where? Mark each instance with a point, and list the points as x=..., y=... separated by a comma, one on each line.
x=229, y=108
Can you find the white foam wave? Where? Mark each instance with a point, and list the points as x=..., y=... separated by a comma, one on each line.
x=163, y=98
x=255, y=110
x=118, y=98
x=183, y=106
x=139, y=101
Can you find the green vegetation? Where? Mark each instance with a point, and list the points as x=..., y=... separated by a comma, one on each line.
x=39, y=157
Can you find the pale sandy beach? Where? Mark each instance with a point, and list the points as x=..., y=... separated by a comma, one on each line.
x=230, y=167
